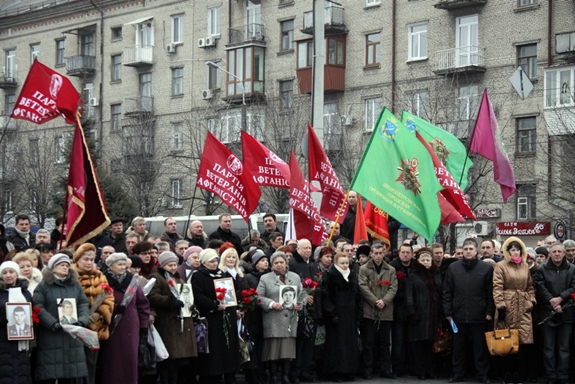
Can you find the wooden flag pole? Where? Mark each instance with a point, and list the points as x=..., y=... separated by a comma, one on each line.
x=340, y=210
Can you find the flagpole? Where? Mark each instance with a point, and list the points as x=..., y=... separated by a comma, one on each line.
x=467, y=149
x=339, y=211
x=190, y=213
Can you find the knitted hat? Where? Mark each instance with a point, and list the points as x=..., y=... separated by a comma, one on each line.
x=83, y=249
x=276, y=255
x=192, y=249
x=136, y=261
x=542, y=251
x=207, y=255
x=57, y=259
x=9, y=265
x=166, y=258
x=257, y=256
x=115, y=257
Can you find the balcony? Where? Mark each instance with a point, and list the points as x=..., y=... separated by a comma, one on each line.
x=333, y=77
x=8, y=80
x=450, y=5
x=81, y=66
x=333, y=21
x=7, y=123
x=250, y=33
x=138, y=55
x=469, y=60
x=141, y=105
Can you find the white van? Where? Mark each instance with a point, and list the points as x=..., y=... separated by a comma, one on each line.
x=155, y=225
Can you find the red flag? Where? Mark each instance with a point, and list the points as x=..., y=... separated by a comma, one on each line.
x=304, y=208
x=222, y=173
x=320, y=169
x=451, y=191
x=376, y=223
x=46, y=95
x=266, y=167
x=87, y=214
x=359, y=231
x=486, y=141
x=448, y=212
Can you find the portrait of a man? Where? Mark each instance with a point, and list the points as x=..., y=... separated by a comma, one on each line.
x=288, y=296
x=67, y=311
x=19, y=321
x=187, y=297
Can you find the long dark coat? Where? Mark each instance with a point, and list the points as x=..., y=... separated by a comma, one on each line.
x=59, y=355
x=119, y=354
x=14, y=364
x=423, y=298
x=253, y=319
x=179, y=345
x=222, y=358
x=340, y=299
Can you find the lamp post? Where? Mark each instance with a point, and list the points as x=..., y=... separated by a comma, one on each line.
x=244, y=117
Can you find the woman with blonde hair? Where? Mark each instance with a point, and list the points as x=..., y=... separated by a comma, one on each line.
x=230, y=263
x=26, y=263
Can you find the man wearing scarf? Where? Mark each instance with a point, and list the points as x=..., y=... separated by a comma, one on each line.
x=21, y=237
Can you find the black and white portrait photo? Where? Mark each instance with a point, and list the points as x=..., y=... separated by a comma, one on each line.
x=19, y=317
x=67, y=312
x=288, y=296
x=187, y=296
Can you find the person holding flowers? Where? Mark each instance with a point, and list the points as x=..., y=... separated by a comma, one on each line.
x=224, y=357
x=96, y=289
x=341, y=302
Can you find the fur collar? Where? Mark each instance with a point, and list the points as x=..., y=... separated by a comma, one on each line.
x=506, y=254
x=420, y=268
x=50, y=278
x=81, y=272
x=22, y=282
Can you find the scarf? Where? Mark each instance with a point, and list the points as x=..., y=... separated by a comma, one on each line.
x=517, y=260
x=120, y=278
x=344, y=273
x=232, y=272
x=15, y=296
x=281, y=277
x=25, y=235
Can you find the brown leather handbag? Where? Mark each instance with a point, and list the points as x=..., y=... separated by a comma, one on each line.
x=502, y=342
x=444, y=341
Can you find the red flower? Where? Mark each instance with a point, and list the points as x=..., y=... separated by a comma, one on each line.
x=245, y=293
x=247, y=300
x=221, y=296
x=171, y=282
x=573, y=296
x=106, y=287
x=400, y=275
x=386, y=282
x=35, y=313
x=259, y=300
x=379, y=283
x=158, y=264
x=36, y=309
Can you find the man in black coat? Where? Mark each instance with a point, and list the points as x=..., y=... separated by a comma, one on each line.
x=348, y=225
x=21, y=236
x=554, y=284
x=468, y=302
x=224, y=233
x=116, y=230
x=271, y=226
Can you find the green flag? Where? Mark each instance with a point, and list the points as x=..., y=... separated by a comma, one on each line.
x=447, y=147
x=396, y=174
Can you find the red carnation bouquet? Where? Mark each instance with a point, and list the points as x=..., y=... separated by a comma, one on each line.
x=36, y=314
x=105, y=292
x=249, y=299
x=221, y=293
x=400, y=275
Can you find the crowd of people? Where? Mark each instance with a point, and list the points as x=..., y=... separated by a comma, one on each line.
x=279, y=310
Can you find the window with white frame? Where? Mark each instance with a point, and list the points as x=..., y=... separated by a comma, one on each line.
x=214, y=21
x=467, y=100
x=559, y=87
x=213, y=76
x=369, y=3
x=372, y=110
x=287, y=31
x=116, y=110
x=178, y=29
x=34, y=52
x=10, y=64
x=304, y=54
x=87, y=95
x=231, y=127
x=523, y=3
x=527, y=58
x=177, y=136
x=418, y=104
x=177, y=81
x=417, y=41
x=286, y=94
x=215, y=126
x=60, y=50
x=331, y=123
x=116, y=67
x=526, y=134
x=176, y=193
x=526, y=202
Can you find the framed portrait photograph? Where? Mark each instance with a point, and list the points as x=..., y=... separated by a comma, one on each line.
x=187, y=296
x=19, y=317
x=67, y=311
x=229, y=299
x=288, y=296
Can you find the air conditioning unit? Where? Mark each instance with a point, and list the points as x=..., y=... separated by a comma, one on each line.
x=202, y=42
x=171, y=48
x=210, y=42
x=207, y=94
x=93, y=102
x=481, y=228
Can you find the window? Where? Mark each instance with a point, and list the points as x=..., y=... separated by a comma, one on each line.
x=9, y=102
x=418, y=104
x=253, y=19
x=116, y=33
x=565, y=42
x=467, y=41
x=87, y=95
x=177, y=136
x=372, y=110
x=10, y=66
x=335, y=51
x=214, y=21
x=116, y=112
x=245, y=65
x=527, y=57
x=116, y=67
x=331, y=123
x=373, y=49
x=286, y=94
x=213, y=77
x=34, y=52
x=60, y=45
x=467, y=101
x=526, y=134
x=287, y=30
x=418, y=42
x=60, y=149
x=369, y=3
x=526, y=202
x=559, y=87
x=33, y=194
x=215, y=127
x=178, y=29
x=145, y=34
x=34, y=151
x=177, y=81
x=304, y=54
x=527, y=2
x=87, y=45
x=7, y=201
x=176, y=193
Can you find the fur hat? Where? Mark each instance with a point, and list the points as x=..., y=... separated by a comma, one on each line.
x=207, y=255
x=166, y=258
x=10, y=265
x=83, y=249
x=57, y=259
x=115, y=257
x=542, y=251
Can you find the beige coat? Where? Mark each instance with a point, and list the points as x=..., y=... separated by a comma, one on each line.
x=371, y=290
x=513, y=290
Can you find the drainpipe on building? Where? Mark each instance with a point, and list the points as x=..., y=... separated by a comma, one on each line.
x=393, y=53
x=101, y=93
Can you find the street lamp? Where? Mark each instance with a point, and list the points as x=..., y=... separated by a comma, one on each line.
x=244, y=118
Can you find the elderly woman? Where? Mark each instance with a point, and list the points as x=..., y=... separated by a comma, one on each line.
x=15, y=363
x=119, y=354
x=191, y=263
x=280, y=324
x=181, y=345
x=341, y=304
x=224, y=358
x=60, y=357
x=514, y=296
x=26, y=263
x=143, y=249
x=91, y=279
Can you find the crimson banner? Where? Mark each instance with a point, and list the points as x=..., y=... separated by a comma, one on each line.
x=267, y=169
